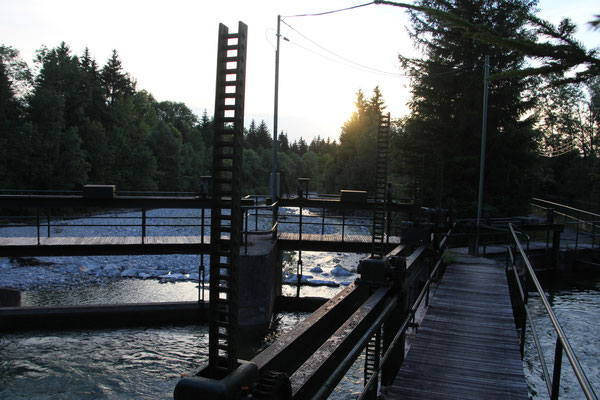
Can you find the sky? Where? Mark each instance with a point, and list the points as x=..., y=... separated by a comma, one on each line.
x=170, y=49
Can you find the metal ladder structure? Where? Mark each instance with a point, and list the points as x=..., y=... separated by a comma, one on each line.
x=226, y=212
x=373, y=348
x=381, y=169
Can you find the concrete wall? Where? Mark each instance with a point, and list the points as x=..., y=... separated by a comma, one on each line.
x=10, y=297
x=260, y=283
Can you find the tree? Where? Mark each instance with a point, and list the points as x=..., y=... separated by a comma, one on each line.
x=447, y=86
x=357, y=153
x=258, y=136
x=55, y=112
x=115, y=82
x=559, y=53
x=283, y=143
x=10, y=121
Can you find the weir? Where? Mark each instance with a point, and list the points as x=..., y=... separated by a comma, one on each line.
x=467, y=345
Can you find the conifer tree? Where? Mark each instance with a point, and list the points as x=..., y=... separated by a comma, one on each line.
x=446, y=107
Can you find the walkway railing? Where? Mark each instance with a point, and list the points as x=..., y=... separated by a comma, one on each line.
x=585, y=224
x=516, y=252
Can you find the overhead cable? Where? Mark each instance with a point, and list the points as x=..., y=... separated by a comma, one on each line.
x=329, y=12
x=352, y=64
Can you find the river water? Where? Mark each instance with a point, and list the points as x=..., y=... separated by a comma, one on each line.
x=576, y=303
x=135, y=363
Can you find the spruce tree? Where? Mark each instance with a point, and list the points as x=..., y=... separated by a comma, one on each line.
x=446, y=107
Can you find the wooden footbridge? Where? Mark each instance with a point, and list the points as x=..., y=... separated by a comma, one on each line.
x=467, y=347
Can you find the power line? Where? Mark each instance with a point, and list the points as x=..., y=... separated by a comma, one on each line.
x=387, y=73
x=361, y=67
x=355, y=66
x=329, y=12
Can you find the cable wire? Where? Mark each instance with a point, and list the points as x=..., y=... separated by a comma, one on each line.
x=341, y=57
x=352, y=64
x=328, y=12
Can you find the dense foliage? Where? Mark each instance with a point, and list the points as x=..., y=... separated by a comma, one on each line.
x=445, y=123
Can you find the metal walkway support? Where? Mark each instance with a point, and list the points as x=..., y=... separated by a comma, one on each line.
x=226, y=211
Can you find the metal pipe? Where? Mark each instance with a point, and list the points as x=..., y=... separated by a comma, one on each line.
x=483, y=140
x=275, y=115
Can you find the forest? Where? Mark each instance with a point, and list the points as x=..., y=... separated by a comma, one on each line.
x=67, y=121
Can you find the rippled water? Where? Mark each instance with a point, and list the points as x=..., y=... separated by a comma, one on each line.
x=138, y=363
x=99, y=364
x=576, y=303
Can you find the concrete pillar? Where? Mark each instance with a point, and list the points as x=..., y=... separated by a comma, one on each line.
x=259, y=282
x=10, y=297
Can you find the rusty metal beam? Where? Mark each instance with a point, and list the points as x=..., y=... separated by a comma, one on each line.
x=289, y=352
x=319, y=375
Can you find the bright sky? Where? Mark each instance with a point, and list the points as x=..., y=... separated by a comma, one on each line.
x=170, y=48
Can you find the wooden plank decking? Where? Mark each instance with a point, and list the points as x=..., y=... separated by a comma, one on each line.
x=109, y=245
x=119, y=245
x=467, y=345
x=330, y=242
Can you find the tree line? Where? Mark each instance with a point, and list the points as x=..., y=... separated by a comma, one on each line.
x=74, y=122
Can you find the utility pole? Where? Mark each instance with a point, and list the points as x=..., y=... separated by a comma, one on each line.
x=483, y=139
x=275, y=116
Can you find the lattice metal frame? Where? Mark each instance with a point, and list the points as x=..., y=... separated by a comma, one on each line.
x=226, y=212
x=381, y=170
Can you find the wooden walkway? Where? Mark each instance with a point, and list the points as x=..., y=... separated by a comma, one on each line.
x=331, y=242
x=467, y=345
x=124, y=245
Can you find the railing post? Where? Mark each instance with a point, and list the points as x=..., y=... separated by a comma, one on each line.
x=557, y=369
x=48, y=219
x=300, y=226
x=555, y=248
x=202, y=227
x=256, y=218
x=275, y=220
x=38, y=225
x=143, y=225
x=389, y=226
x=201, y=283
x=246, y=233
x=343, y=222
x=322, y=220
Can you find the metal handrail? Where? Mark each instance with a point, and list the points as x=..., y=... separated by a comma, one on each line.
x=562, y=343
x=594, y=223
x=566, y=207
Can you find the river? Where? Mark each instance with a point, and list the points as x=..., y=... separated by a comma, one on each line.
x=135, y=363
x=576, y=303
